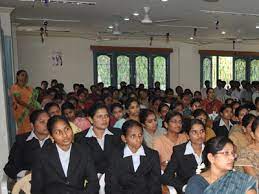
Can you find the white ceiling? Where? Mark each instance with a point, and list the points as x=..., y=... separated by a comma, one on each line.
x=97, y=18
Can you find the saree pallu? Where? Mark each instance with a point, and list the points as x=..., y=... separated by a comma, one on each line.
x=22, y=113
x=232, y=183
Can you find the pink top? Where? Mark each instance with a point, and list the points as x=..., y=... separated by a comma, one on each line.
x=82, y=122
x=164, y=145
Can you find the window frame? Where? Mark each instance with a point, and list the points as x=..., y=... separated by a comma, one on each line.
x=247, y=56
x=132, y=53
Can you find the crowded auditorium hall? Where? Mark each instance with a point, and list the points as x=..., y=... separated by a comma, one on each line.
x=129, y=97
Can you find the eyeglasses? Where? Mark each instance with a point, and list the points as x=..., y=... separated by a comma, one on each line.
x=175, y=121
x=228, y=153
x=196, y=132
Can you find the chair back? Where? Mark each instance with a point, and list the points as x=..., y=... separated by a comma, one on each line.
x=23, y=184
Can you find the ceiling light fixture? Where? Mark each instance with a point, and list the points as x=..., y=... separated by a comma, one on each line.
x=257, y=26
x=136, y=14
x=126, y=19
x=73, y=2
x=164, y=0
x=191, y=38
x=217, y=25
x=223, y=32
x=110, y=27
x=194, y=32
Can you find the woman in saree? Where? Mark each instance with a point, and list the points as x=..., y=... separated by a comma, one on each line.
x=24, y=101
x=219, y=176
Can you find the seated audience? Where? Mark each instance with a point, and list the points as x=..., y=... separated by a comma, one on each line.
x=117, y=112
x=249, y=156
x=211, y=104
x=68, y=110
x=151, y=130
x=242, y=137
x=165, y=143
x=240, y=112
x=134, y=168
x=195, y=104
x=53, y=109
x=100, y=139
x=63, y=167
x=203, y=116
x=223, y=126
x=162, y=111
x=132, y=109
x=186, y=158
x=28, y=145
x=219, y=176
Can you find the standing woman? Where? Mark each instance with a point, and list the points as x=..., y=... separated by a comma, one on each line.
x=64, y=167
x=24, y=101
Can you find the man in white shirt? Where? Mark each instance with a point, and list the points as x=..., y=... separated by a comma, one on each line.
x=220, y=91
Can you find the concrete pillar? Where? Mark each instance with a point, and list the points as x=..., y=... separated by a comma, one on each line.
x=6, y=61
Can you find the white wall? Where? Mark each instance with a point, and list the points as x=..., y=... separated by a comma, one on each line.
x=35, y=57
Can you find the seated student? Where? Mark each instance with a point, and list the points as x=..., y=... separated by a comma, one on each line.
x=195, y=104
x=151, y=130
x=134, y=168
x=53, y=109
x=219, y=176
x=223, y=126
x=64, y=167
x=68, y=110
x=249, y=156
x=177, y=106
x=117, y=111
x=27, y=146
x=186, y=158
x=154, y=104
x=211, y=104
x=203, y=116
x=132, y=112
x=99, y=138
x=164, y=144
x=240, y=112
x=162, y=111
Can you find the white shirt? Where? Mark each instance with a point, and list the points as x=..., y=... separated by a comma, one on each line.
x=33, y=135
x=64, y=157
x=220, y=93
x=135, y=156
x=189, y=150
x=236, y=94
x=222, y=123
x=91, y=133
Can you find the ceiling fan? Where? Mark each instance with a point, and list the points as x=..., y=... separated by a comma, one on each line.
x=147, y=19
x=116, y=31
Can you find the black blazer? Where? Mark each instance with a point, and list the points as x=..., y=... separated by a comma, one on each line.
x=122, y=179
x=48, y=176
x=180, y=168
x=101, y=157
x=221, y=130
x=23, y=154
